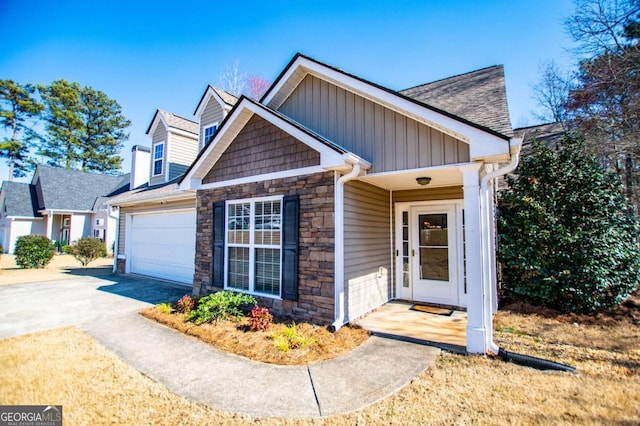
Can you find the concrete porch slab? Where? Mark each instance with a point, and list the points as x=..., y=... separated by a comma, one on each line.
x=396, y=320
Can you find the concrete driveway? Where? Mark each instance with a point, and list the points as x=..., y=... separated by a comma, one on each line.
x=28, y=308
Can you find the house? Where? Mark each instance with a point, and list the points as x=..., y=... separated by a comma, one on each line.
x=157, y=230
x=63, y=205
x=18, y=214
x=333, y=195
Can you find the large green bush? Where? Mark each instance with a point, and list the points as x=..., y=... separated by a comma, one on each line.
x=220, y=306
x=567, y=239
x=34, y=251
x=87, y=250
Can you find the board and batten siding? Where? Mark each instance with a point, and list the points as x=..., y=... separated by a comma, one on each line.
x=387, y=139
x=148, y=208
x=160, y=135
x=182, y=153
x=367, y=256
x=212, y=113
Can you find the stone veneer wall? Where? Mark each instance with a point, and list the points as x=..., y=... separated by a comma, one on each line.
x=316, y=246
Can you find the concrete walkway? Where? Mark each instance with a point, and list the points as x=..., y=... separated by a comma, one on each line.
x=107, y=308
x=197, y=371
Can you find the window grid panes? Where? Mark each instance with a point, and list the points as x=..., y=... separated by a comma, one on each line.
x=158, y=155
x=253, y=246
x=209, y=132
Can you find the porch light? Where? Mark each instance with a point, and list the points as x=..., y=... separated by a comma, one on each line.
x=423, y=180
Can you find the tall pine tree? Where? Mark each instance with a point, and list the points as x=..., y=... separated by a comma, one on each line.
x=18, y=107
x=85, y=128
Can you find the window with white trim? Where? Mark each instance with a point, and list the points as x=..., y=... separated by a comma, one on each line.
x=209, y=131
x=158, y=158
x=253, y=246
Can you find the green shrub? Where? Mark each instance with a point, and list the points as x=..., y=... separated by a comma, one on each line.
x=87, y=250
x=66, y=249
x=567, y=240
x=164, y=308
x=221, y=305
x=259, y=319
x=34, y=251
x=290, y=338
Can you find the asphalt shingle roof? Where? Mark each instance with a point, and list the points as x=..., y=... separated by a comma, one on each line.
x=180, y=123
x=478, y=96
x=227, y=97
x=548, y=133
x=64, y=189
x=19, y=199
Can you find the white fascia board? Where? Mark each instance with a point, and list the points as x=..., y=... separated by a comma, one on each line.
x=170, y=198
x=208, y=94
x=158, y=118
x=261, y=178
x=24, y=217
x=329, y=158
x=482, y=144
x=181, y=132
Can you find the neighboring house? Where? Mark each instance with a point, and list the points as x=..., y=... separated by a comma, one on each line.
x=333, y=195
x=157, y=228
x=18, y=215
x=65, y=205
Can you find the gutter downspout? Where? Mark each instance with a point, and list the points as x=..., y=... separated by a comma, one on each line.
x=488, y=281
x=339, y=303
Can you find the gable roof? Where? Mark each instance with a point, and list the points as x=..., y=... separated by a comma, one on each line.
x=19, y=199
x=73, y=190
x=224, y=98
x=478, y=96
x=331, y=154
x=172, y=121
x=549, y=133
x=160, y=192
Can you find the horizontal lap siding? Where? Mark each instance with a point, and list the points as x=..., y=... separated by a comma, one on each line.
x=389, y=140
x=182, y=153
x=212, y=113
x=366, y=247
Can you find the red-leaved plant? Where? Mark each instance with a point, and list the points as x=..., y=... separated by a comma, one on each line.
x=259, y=319
x=185, y=304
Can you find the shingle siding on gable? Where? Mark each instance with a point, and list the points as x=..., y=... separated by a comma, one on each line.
x=390, y=141
x=160, y=135
x=212, y=113
x=261, y=148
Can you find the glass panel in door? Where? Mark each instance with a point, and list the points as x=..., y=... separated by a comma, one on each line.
x=433, y=247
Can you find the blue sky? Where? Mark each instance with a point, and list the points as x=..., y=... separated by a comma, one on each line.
x=162, y=54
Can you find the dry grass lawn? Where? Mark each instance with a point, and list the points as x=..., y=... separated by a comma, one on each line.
x=61, y=267
x=67, y=367
x=235, y=337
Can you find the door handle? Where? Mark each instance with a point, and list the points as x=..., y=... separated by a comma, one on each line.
x=413, y=253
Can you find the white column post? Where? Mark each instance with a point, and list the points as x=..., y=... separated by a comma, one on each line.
x=49, y=225
x=476, y=333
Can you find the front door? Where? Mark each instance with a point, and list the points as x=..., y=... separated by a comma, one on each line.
x=434, y=264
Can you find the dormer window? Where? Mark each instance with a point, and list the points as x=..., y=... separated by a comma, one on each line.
x=209, y=131
x=158, y=158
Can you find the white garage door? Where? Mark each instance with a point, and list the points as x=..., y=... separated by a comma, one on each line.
x=164, y=245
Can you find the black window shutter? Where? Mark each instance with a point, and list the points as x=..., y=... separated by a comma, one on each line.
x=290, y=223
x=217, y=261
